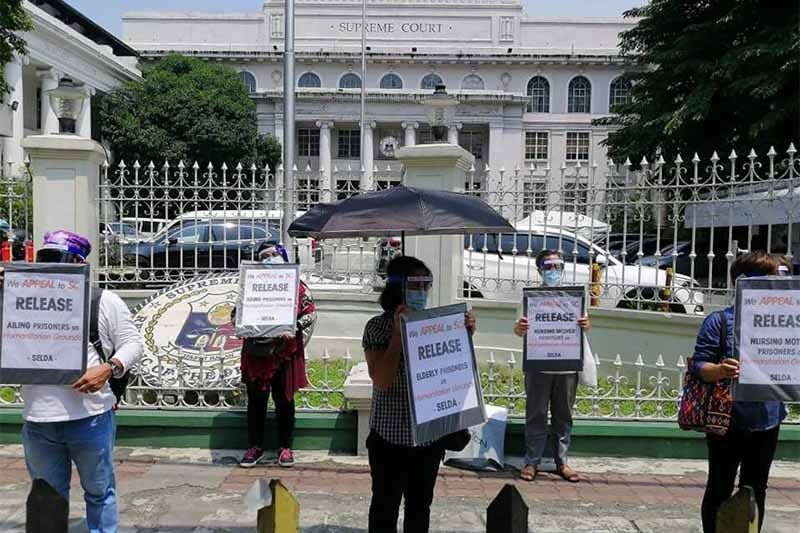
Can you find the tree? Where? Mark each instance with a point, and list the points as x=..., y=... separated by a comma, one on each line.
x=711, y=75
x=185, y=108
x=13, y=21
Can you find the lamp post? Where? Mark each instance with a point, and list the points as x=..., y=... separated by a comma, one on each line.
x=441, y=110
x=67, y=102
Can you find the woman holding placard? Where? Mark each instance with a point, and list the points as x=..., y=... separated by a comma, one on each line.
x=555, y=391
x=399, y=469
x=752, y=434
x=276, y=364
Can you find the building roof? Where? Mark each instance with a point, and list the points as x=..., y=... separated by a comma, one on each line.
x=84, y=25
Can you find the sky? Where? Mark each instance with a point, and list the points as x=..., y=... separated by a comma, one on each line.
x=108, y=13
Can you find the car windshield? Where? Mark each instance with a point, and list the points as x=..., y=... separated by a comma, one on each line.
x=122, y=228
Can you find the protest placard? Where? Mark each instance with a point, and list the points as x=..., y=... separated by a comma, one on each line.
x=554, y=341
x=767, y=339
x=44, y=317
x=267, y=304
x=443, y=384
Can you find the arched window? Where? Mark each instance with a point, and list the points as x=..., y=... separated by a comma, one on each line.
x=580, y=95
x=473, y=82
x=391, y=81
x=350, y=81
x=248, y=80
x=309, y=79
x=431, y=81
x=619, y=93
x=539, y=95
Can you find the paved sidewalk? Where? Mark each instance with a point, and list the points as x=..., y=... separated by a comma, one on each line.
x=196, y=491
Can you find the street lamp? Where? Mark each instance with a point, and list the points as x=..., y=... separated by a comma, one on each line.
x=441, y=111
x=67, y=100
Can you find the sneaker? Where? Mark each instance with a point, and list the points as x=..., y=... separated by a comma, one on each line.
x=251, y=457
x=285, y=458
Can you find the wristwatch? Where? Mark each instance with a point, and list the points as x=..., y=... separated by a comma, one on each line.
x=117, y=370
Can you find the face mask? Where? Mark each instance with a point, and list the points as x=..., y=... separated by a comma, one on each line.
x=551, y=278
x=417, y=300
x=274, y=260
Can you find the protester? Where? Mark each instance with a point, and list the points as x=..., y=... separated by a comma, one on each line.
x=752, y=436
x=555, y=391
x=76, y=424
x=399, y=469
x=276, y=364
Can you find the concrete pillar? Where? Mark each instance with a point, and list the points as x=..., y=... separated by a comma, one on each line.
x=452, y=133
x=369, y=147
x=442, y=167
x=13, y=154
x=84, y=126
x=411, y=133
x=358, y=393
x=325, y=158
x=66, y=173
x=48, y=80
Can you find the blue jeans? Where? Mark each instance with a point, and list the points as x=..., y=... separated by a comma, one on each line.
x=51, y=447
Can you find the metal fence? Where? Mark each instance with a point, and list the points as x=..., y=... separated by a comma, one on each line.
x=654, y=237
x=641, y=390
x=16, y=215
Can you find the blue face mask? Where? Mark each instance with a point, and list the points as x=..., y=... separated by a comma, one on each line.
x=551, y=278
x=416, y=300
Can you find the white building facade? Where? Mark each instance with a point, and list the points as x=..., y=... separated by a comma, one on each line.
x=63, y=44
x=529, y=88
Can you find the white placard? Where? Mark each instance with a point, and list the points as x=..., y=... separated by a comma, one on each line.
x=44, y=320
x=554, y=341
x=770, y=335
x=441, y=367
x=268, y=301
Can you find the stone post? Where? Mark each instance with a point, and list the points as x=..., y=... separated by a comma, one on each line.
x=325, y=158
x=358, y=392
x=48, y=80
x=66, y=173
x=410, y=133
x=366, y=176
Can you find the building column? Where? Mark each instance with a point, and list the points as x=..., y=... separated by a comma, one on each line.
x=411, y=133
x=13, y=154
x=452, y=133
x=325, y=158
x=494, y=180
x=48, y=80
x=84, y=125
x=368, y=154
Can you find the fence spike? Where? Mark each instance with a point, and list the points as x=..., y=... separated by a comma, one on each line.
x=714, y=157
x=239, y=167
x=196, y=166
x=136, y=164
x=325, y=354
x=660, y=361
x=472, y=167
x=596, y=359
x=181, y=166
x=639, y=360
x=752, y=155
x=610, y=162
x=308, y=167
x=121, y=163
x=661, y=160
x=165, y=166
x=511, y=360
x=253, y=167
x=696, y=158
x=681, y=363
x=733, y=155
x=486, y=168
x=294, y=168
x=618, y=360
x=266, y=168
x=280, y=167
x=210, y=166
x=791, y=149
x=347, y=356
x=105, y=163
x=644, y=162
x=151, y=165
x=491, y=360
x=578, y=164
x=388, y=167
x=678, y=159
x=627, y=162
x=772, y=152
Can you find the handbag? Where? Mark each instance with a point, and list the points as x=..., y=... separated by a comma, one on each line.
x=706, y=407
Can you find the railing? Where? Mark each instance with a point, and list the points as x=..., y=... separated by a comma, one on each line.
x=16, y=216
x=656, y=237
x=641, y=390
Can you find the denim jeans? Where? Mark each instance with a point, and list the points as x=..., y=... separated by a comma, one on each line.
x=51, y=447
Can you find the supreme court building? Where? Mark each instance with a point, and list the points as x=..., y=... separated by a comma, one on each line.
x=529, y=87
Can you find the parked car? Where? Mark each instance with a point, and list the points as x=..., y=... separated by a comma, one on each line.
x=198, y=245
x=496, y=273
x=118, y=232
x=146, y=227
x=681, y=253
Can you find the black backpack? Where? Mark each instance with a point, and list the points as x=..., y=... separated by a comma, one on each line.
x=118, y=385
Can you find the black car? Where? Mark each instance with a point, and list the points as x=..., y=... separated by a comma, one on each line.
x=199, y=245
x=681, y=252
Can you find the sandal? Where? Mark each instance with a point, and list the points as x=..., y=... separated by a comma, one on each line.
x=566, y=472
x=528, y=473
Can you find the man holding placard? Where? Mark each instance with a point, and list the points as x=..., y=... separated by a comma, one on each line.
x=47, y=340
x=274, y=313
x=555, y=351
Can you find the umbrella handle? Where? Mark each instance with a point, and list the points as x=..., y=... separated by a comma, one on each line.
x=403, y=242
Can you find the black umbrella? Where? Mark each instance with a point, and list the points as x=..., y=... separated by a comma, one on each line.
x=400, y=211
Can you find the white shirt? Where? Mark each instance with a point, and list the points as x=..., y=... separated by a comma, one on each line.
x=59, y=403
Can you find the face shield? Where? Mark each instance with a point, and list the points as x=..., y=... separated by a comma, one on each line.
x=551, y=271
